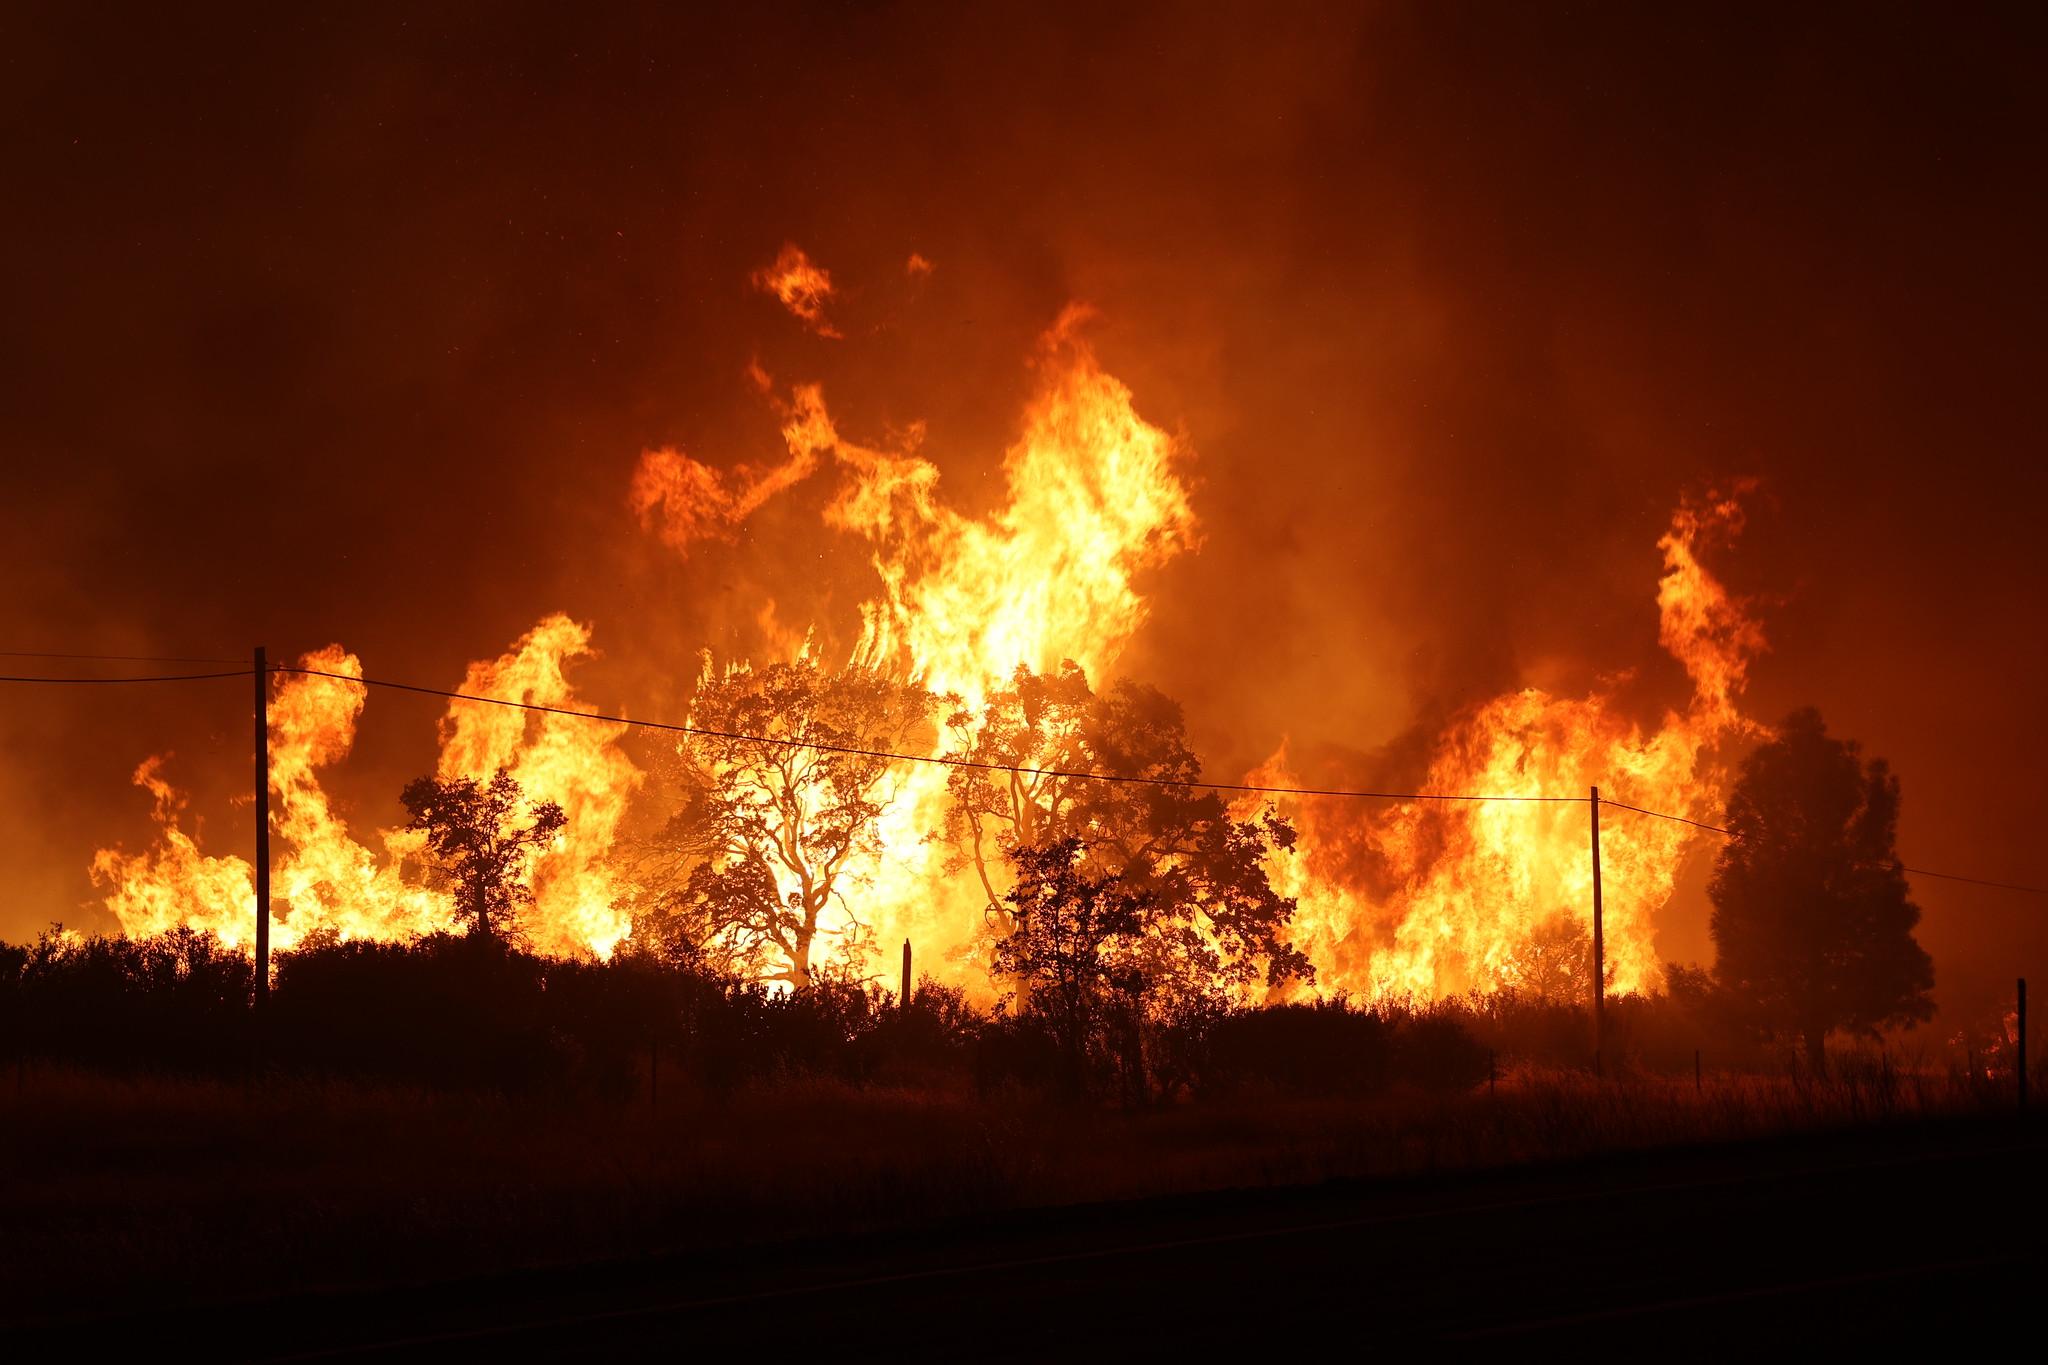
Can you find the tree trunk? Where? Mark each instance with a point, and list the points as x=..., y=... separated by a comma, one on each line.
x=800, y=962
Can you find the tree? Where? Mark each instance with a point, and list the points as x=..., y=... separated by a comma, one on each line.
x=1079, y=947
x=1036, y=722
x=472, y=835
x=1212, y=917
x=1812, y=924
x=784, y=795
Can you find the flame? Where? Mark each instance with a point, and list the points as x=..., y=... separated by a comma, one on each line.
x=575, y=763
x=1094, y=501
x=173, y=883
x=1432, y=898
x=325, y=880
x=1423, y=898
x=802, y=285
x=688, y=501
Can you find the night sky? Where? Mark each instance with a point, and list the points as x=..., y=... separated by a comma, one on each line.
x=352, y=328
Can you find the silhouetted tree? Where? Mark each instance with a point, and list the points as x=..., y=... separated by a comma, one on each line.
x=473, y=837
x=1034, y=721
x=774, y=828
x=1213, y=917
x=1078, y=947
x=1812, y=923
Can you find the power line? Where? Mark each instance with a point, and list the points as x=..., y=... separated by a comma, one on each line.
x=1911, y=871
x=1974, y=881
x=1666, y=815
x=938, y=759
x=121, y=658
x=157, y=678
x=892, y=756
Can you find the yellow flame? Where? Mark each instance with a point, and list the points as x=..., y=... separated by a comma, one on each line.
x=323, y=879
x=1419, y=898
x=1433, y=898
x=173, y=883
x=1094, y=500
x=575, y=763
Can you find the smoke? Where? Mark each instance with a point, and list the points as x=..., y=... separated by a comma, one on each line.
x=1449, y=308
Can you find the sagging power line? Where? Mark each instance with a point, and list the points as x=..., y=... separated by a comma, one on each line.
x=942, y=760
x=121, y=658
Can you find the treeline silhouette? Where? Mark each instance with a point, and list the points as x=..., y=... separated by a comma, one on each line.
x=465, y=1013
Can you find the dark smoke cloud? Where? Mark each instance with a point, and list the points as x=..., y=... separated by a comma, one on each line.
x=352, y=327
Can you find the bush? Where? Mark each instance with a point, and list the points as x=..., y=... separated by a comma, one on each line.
x=177, y=1001
x=1325, y=1048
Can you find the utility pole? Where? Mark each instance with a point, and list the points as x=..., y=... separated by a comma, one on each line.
x=903, y=1000
x=262, y=831
x=1599, y=941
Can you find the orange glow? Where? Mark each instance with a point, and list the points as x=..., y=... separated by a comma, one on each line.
x=1434, y=898
x=1094, y=500
x=325, y=880
x=803, y=286
x=1413, y=898
x=173, y=883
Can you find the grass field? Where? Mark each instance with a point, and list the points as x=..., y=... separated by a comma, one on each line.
x=126, y=1192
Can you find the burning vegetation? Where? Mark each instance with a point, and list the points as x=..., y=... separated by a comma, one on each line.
x=808, y=828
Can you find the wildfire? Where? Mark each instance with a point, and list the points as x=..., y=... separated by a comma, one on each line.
x=1094, y=500
x=324, y=880
x=802, y=285
x=1432, y=898
x=174, y=883
x=1418, y=897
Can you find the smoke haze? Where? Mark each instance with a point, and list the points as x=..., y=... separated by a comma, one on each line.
x=352, y=329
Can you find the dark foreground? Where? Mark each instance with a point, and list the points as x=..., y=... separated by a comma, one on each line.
x=1925, y=1233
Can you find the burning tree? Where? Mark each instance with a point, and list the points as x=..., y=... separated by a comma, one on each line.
x=787, y=780
x=1113, y=775
x=1034, y=721
x=471, y=834
x=1812, y=926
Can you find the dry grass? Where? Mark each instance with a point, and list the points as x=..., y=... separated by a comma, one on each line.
x=133, y=1190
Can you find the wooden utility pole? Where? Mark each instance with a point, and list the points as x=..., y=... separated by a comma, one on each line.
x=903, y=1001
x=1599, y=941
x=262, y=830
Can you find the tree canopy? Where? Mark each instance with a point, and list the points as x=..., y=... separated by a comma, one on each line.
x=1812, y=922
x=473, y=837
x=781, y=811
x=1212, y=916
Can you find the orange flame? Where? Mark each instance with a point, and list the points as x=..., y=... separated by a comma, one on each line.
x=1094, y=500
x=1421, y=898
x=173, y=883
x=324, y=880
x=802, y=285
x=1432, y=898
